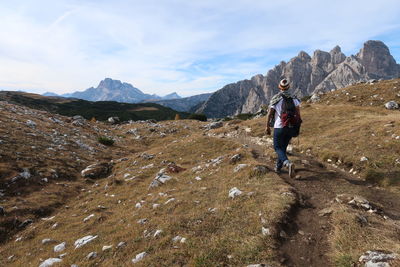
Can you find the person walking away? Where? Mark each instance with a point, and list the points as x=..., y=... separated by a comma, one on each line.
x=284, y=116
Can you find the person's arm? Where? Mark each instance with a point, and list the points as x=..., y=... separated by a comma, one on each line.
x=270, y=115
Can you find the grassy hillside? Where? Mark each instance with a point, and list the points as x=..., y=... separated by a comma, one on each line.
x=349, y=124
x=312, y=220
x=100, y=110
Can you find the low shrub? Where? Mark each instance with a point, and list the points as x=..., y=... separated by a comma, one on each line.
x=244, y=116
x=199, y=117
x=105, y=140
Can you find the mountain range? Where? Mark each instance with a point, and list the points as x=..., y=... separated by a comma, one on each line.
x=115, y=90
x=324, y=71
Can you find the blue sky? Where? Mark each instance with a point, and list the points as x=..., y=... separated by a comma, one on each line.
x=162, y=46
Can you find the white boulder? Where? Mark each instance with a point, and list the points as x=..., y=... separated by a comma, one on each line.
x=49, y=262
x=234, y=192
x=392, y=105
x=139, y=257
x=60, y=247
x=84, y=240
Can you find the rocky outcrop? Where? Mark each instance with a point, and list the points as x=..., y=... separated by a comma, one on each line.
x=324, y=71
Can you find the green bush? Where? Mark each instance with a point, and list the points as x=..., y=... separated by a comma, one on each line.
x=105, y=140
x=199, y=117
x=244, y=116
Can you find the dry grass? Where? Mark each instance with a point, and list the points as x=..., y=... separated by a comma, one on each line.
x=341, y=132
x=350, y=238
x=144, y=108
x=229, y=235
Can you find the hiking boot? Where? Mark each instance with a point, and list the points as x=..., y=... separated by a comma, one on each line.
x=291, y=169
x=277, y=170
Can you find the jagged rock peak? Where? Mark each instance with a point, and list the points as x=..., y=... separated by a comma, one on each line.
x=336, y=50
x=337, y=56
x=110, y=83
x=378, y=61
x=321, y=57
x=304, y=56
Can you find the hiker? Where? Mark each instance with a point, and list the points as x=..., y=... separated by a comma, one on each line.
x=284, y=116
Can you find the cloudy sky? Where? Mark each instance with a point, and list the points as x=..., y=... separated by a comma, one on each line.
x=185, y=46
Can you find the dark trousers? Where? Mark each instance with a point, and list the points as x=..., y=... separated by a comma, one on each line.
x=282, y=138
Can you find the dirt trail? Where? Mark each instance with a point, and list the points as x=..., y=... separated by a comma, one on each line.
x=306, y=240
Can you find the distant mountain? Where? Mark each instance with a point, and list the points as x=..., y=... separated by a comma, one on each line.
x=185, y=104
x=49, y=94
x=114, y=90
x=324, y=71
x=173, y=95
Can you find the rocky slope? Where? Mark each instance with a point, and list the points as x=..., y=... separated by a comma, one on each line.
x=324, y=71
x=188, y=193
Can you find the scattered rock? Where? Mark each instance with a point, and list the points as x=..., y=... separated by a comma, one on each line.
x=392, y=105
x=325, y=212
x=258, y=170
x=88, y=218
x=283, y=234
x=142, y=221
x=239, y=167
x=147, y=156
x=377, y=258
x=214, y=125
x=361, y=219
x=49, y=262
x=25, y=174
x=91, y=255
x=113, y=120
x=217, y=161
x=106, y=248
x=265, y=231
x=48, y=241
x=160, y=180
x=98, y=170
x=25, y=223
x=78, y=120
x=362, y=159
x=315, y=98
x=121, y=244
x=84, y=240
x=169, y=201
x=178, y=239
x=31, y=124
x=259, y=265
x=234, y=192
x=157, y=233
x=197, y=178
x=360, y=202
x=235, y=158
x=173, y=168
x=60, y=247
x=139, y=257
x=133, y=131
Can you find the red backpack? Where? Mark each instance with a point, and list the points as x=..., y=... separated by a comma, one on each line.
x=290, y=116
